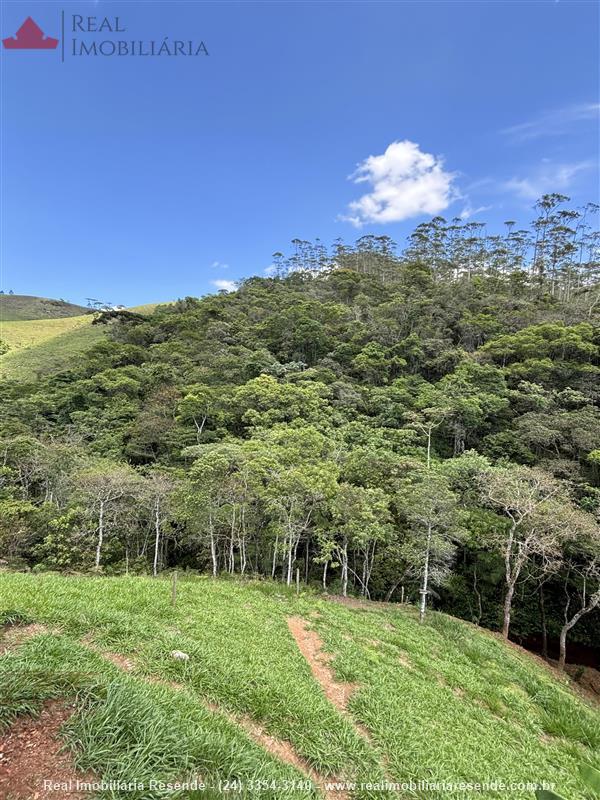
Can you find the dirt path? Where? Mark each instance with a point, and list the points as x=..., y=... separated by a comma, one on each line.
x=31, y=753
x=283, y=750
x=310, y=645
x=280, y=748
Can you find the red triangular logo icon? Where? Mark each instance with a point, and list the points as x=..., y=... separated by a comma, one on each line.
x=30, y=37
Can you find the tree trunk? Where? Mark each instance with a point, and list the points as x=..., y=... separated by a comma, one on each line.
x=100, y=533
x=459, y=439
x=290, y=560
x=543, y=622
x=157, y=536
x=391, y=591
x=242, y=547
x=593, y=602
x=274, y=564
x=306, y=561
x=363, y=588
x=507, y=608
x=562, y=646
x=425, y=585
x=213, y=548
x=344, y=559
x=231, y=543
x=242, y=539
x=325, y=576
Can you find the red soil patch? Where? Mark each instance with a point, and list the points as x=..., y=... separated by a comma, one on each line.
x=277, y=747
x=310, y=645
x=124, y=663
x=17, y=634
x=282, y=750
x=32, y=753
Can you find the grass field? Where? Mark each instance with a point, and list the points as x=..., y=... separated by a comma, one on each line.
x=445, y=701
x=44, y=347
x=40, y=347
x=25, y=307
x=26, y=333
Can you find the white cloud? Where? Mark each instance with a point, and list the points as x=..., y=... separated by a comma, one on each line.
x=553, y=123
x=548, y=177
x=227, y=286
x=219, y=265
x=469, y=211
x=405, y=182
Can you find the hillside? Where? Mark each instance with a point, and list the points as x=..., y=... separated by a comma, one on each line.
x=277, y=689
x=25, y=307
x=421, y=427
x=40, y=348
x=45, y=346
x=26, y=333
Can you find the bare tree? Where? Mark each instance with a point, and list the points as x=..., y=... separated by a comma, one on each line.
x=534, y=506
x=429, y=507
x=157, y=490
x=102, y=487
x=582, y=575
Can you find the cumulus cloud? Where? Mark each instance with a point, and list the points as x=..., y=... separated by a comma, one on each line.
x=553, y=123
x=219, y=265
x=547, y=177
x=405, y=182
x=226, y=286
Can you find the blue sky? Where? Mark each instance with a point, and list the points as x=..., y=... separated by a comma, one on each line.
x=135, y=179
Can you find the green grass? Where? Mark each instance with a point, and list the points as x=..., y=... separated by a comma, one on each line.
x=46, y=347
x=27, y=333
x=40, y=347
x=25, y=307
x=444, y=701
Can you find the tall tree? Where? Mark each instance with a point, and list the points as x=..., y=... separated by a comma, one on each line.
x=532, y=501
x=104, y=488
x=430, y=511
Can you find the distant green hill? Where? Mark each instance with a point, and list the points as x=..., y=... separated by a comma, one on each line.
x=54, y=350
x=24, y=307
x=44, y=345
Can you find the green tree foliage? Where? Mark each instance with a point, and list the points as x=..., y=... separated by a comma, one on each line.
x=418, y=426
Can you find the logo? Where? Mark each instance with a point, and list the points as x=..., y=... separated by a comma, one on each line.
x=30, y=37
x=99, y=37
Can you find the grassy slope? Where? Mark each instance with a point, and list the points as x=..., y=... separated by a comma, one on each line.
x=441, y=702
x=22, y=307
x=47, y=346
x=26, y=333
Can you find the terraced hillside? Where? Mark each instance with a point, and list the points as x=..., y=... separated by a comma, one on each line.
x=251, y=690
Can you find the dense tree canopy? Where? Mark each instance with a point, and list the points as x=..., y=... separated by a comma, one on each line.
x=422, y=426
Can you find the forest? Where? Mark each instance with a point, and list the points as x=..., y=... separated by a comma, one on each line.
x=415, y=425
